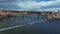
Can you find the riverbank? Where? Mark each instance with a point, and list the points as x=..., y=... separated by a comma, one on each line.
x=49, y=15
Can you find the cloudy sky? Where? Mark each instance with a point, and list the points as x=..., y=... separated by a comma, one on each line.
x=30, y=5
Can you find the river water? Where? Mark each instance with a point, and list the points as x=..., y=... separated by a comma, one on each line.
x=42, y=27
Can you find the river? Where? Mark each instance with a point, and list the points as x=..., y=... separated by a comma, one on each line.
x=29, y=25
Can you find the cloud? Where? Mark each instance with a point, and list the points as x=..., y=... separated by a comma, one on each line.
x=2, y=0
x=7, y=1
x=30, y=5
x=8, y=6
x=39, y=5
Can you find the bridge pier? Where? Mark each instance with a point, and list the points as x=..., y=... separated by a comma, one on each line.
x=27, y=16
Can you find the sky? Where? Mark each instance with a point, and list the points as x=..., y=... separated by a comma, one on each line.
x=30, y=5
